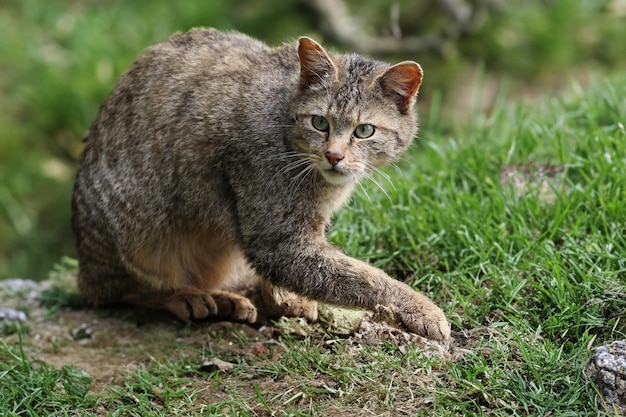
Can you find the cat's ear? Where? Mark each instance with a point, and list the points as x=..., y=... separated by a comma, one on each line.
x=315, y=64
x=403, y=80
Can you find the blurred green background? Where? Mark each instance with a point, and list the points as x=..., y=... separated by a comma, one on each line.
x=60, y=58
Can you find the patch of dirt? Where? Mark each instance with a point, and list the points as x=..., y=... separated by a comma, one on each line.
x=527, y=178
x=111, y=344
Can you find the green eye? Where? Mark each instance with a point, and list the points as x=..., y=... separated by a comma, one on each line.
x=320, y=123
x=364, y=131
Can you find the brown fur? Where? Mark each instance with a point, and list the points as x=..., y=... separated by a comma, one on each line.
x=205, y=169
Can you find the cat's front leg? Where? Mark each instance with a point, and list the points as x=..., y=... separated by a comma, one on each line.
x=417, y=312
x=322, y=272
x=282, y=237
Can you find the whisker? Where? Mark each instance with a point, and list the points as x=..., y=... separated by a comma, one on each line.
x=405, y=160
x=364, y=189
x=369, y=173
x=370, y=170
x=288, y=155
x=372, y=179
x=300, y=159
x=300, y=163
x=397, y=168
x=295, y=164
x=297, y=181
x=386, y=177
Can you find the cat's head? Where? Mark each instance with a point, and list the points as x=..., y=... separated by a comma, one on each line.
x=352, y=114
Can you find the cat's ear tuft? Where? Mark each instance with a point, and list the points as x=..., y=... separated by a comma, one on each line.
x=315, y=64
x=403, y=80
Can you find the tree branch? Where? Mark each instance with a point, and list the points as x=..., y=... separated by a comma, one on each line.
x=338, y=24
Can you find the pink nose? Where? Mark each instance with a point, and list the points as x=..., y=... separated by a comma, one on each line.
x=333, y=157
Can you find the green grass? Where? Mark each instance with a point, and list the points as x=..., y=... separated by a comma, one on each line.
x=550, y=278
x=528, y=284
x=532, y=283
x=60, y=58
x=32, y=388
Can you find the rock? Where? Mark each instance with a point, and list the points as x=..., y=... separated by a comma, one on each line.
x=17, y=284
x=9, y=314
x=14, y=294
x=297, y=326
x=607, y=367
x=340, y=320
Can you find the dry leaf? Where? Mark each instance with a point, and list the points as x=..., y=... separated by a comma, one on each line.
x=216, y=364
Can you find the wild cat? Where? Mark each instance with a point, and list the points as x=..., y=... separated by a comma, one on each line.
x=218, y=160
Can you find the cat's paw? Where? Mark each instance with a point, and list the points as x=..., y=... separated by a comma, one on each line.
x=222, y=304
x=420, y=315
x=281, y=302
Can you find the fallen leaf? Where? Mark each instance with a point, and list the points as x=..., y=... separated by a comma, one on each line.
x=216, y=364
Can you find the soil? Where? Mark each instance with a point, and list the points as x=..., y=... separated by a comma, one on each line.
x=109, y=344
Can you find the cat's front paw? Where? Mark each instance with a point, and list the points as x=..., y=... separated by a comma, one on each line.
x=420, y=315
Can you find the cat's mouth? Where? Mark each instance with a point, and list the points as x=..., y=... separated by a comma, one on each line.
x=337, y=176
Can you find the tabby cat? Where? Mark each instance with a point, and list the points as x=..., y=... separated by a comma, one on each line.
x=217, y=161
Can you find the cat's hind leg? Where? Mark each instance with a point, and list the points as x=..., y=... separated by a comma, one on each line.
x=272, y=301
x=281, y=302
x=194, y=304
x=189, y=276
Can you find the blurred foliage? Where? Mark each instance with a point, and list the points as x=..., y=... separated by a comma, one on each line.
x=60, y=58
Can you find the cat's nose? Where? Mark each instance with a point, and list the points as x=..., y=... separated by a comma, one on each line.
x=333, y=157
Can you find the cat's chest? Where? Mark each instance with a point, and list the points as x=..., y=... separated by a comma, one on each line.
x=332, y=198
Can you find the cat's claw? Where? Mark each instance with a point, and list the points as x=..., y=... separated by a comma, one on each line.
x=420, y=315
x=435, y=326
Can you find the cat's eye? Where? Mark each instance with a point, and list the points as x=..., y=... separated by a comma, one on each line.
x=320, y=123
x=364, y=131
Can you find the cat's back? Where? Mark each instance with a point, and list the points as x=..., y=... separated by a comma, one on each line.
x=174, y=118
x=195, y=82
x=211, y=49
x=210, y=58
